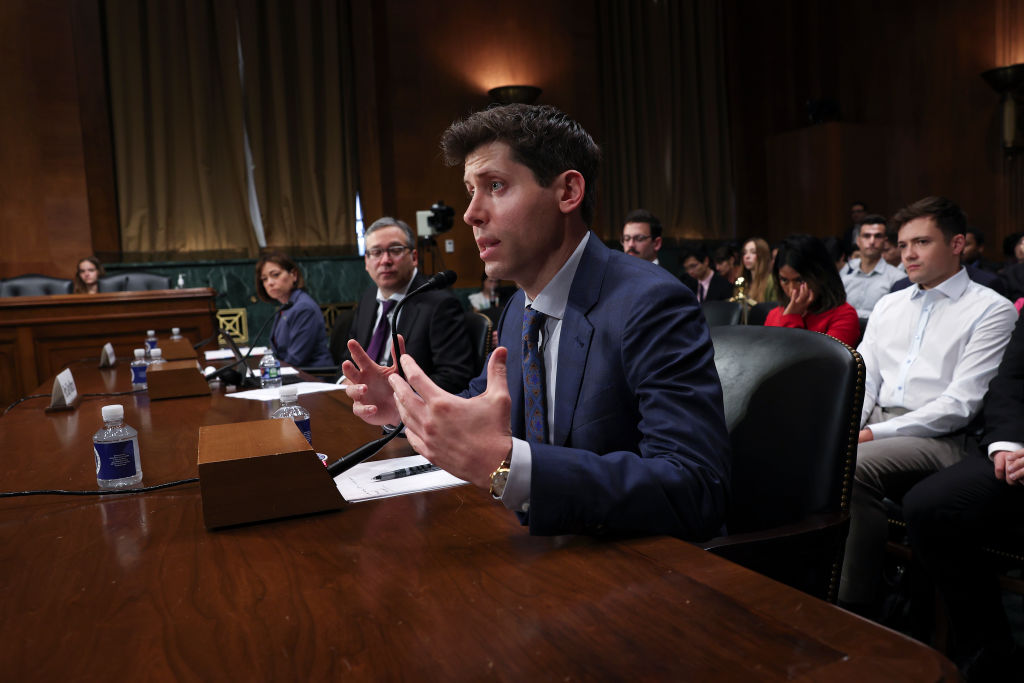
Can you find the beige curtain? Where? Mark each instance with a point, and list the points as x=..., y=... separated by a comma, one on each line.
x=179, y=110
x=176, y=110
x=666, y=146
x=299, y=97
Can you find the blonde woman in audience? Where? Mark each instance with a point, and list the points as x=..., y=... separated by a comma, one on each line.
x=87, y=276
x=757, y=265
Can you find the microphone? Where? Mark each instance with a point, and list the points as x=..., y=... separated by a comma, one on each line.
x=228, y=372
x=445, y=278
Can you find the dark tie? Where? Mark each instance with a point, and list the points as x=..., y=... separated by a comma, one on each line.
x=534, y=391
x=700, y=293
x=380, y=335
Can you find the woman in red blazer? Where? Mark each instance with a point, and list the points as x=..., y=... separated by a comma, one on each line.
x=811, y=293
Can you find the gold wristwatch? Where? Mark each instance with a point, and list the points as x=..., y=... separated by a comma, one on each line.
x=500, y=477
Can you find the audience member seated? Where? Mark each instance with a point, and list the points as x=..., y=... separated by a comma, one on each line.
x=641, y=235
x=87, y=275
x=757, y=265
x=433, y=324
x=891, y=251
x=702, y=278
x=974, y=251
x=982, y=277
x=812, y=295
x=488, y=297
x=868, y=278
x=929, y=353
x=298, y=335
x=952, y=513
x=728, y=263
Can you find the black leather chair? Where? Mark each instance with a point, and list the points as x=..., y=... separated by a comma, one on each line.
x=478, y=327
x=34, y=285
x=792, y=406
x=758, y=313
x=722, y=312
x=134, y=282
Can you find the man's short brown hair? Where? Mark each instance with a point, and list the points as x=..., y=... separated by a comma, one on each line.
x=948, y=216
x=541, y=137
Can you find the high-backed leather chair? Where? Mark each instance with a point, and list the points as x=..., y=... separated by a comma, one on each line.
x=792, y=406
x=758, y=313
x=722, y=312
x=478, y=327
x=34, y=285
x=134, y=282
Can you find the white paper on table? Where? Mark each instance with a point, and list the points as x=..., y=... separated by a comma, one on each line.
x=274, y=393
x=226, y=354
x=357, y=484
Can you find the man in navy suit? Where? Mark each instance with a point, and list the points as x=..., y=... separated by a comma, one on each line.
x=612, y=421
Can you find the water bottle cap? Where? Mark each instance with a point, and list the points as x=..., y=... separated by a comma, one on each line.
x=140, y=354
x=111, y=413
x=150, y=333
x=156, y=353
x=175, y=330
x=288, y=391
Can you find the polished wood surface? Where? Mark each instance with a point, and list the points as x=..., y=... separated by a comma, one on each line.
x=440, y=586
x=40, y=334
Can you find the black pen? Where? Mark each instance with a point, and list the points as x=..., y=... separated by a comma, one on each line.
x=406, y=472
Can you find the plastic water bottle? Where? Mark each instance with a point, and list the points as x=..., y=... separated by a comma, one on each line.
x=139, y=370
x=270, y=371
x=156, y=356
x=290, y=409
x=176, y=333
x=116, y=448
x=151, y=341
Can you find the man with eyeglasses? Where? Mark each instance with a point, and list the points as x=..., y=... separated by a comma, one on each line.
x=432, y=324
x=641, y=235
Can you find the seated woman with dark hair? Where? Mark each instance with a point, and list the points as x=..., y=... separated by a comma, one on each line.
x=812, y=296
x=87, y=276
x=297, y=336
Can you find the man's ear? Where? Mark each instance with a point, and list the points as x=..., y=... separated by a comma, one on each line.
x=570, y=187
x=957, y=242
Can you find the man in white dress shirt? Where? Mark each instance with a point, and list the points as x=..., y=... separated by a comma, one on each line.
x=929, y=353
x=868, y=278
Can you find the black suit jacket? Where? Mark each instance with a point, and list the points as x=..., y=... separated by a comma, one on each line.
x=719, y=289
x=434, y=327
x=1004, y=402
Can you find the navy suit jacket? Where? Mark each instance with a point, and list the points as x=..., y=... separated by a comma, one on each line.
x=299, y=336
x=434, y=327
x=639, y=439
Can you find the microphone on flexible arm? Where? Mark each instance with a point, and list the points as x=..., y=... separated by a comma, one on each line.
x=445, y=278
x=228, y=372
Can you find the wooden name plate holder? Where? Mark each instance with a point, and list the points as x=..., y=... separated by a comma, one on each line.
x=254, y=471
x=176, y=378
x=177, y=349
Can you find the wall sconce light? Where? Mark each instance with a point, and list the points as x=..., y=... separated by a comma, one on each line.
x=1008, y=81
x=515, y=94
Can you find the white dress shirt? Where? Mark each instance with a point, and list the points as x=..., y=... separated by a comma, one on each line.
x=933, y=352
x=863, y=290
x=551, y=302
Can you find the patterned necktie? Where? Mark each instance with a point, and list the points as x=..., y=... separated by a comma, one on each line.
x=380, y=335
x=534, y=391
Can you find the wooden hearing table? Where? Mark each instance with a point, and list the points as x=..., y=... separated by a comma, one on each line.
x=441, y=586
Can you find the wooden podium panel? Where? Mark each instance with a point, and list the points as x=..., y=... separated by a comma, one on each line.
x=41, y=334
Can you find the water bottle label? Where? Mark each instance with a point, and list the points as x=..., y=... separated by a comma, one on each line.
x=139, y=374
x=270, y=372
x=151, y=343
x=303, y=426
x=115, y=460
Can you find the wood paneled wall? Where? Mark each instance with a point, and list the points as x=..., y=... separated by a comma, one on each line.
x=44, y=213
x=905, y=73
x=909, y=72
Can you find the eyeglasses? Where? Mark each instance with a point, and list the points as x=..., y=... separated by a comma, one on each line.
x=639, y=239
x=396, y=251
